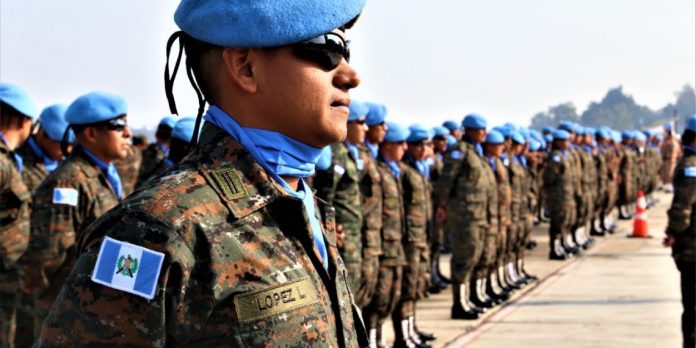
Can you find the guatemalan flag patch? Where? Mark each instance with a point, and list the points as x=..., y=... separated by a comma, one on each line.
x=128, y=267
x=67, y=196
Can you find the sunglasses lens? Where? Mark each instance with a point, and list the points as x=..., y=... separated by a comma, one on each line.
x=325, y=51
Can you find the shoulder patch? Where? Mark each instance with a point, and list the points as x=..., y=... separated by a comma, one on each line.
x=67, y=196
x=230, y=182
x=360, y=164
x=556, y=158
x=275, y=300
x=690, y=172
x=338, y=169
x=128, y=267
x=506, y=162
x=456, y=154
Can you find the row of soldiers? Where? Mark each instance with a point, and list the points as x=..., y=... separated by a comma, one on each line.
x=62, y=169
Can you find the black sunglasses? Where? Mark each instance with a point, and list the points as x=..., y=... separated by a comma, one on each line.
x=326, y=50
x=360, y=122
x=116, y=124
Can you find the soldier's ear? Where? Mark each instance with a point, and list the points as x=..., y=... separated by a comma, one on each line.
x=238, y=65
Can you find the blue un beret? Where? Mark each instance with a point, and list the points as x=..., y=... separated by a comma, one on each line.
x=451, y=125
x=534, y=145
x=691, y=123
x=418, y=133
x=169, y=121
x=474, y=121
x=517, y=138
x=440, y=132
x=396, y=133
x=376, y=114
x=547, y=130
x=183, y=128
x=560, y=134
x=640, y=136
x=18, y=99
x=357, y=110
x=52, y=120
x=95, y=107
x=494, y=137
x=263, y=23
x=627, y=134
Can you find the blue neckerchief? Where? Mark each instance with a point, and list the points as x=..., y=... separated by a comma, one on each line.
x=421, y=166
x=602, y=148
x=565, y=153
x=491, y=162
x=19, y=162
x=515, y=160
x=374, y=148
x=691, y=149
x=272, y=151
x=355, y=154
x=168, y=162
x=49, y=163
x=588, y=149
x=522, y=160
x=440, y=156
x=477, y=146
x=164, y=149
x=109, y=170
x=393, y=166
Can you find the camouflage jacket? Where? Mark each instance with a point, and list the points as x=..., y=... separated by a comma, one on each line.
x=517, y=187
x=670, y=149
x=417, y=205
x=492, y=199
x=34, y=171
x=559, y=180
x=682, y=213
x=151, y=158
x=602, y=169
x=240, y=266
x=393, y=222
x=71, y=198
x=14, y=215
x=460, y=187
x=589, y=173
x=371, y=189
x=504, y=192
x=129, y=168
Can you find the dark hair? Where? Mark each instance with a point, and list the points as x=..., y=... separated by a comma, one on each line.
x=178, y=149
x=9, y=116
x=163, y=132
x=688, y=137
x=139, y=140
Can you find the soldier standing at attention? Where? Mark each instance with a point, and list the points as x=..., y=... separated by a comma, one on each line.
x=41, y=153
x=339, y=186
x=179, y=144
x=85, y=186
x=463, y=194
x=560, y=198
x=437, y=233
x=230, y=247
x=156, y=152
x=670, y=151
x=681, y=229
x=16, y=114
x=627, y=183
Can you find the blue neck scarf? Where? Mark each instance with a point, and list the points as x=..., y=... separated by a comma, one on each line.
x=109, y=170
x=393, y=166
x=164, y=149
x=355, y=154
x=278, y=155
x=19, y=162
x=422, y=165
x=169, y=163
x=491, y=162
x=522, y=160
x=49, y=163
x=477, y=146
x=374, y=149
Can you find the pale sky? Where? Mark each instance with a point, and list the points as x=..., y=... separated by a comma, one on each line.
x=427, y=60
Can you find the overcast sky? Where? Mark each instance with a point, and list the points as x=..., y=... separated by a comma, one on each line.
x=427, y=60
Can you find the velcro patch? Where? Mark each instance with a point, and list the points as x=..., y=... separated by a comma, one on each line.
x=230, y=183
x=128, y=267
x=338, y=169
x=456, y=154
x=67, y=196
x=690, y=172
x=275, y=300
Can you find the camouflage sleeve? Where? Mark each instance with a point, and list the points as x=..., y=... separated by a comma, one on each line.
x=684, y=199
x=87, y=314
x=326, y=181
x=553, y=171
x=14, y=215
x=450, y=171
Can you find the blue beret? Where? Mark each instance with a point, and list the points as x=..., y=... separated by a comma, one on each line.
x=474, y=121
x=376, y=114
x=560, y=134
x=691, y=123
x=169, y=121
x=511, y=126
x=505, y=131
x=183, y=128
x=590, y=131
x=494, y=137
x=640, y=136
x=418, y=133
x=603, y=133
x=263, y=23
x=451, y=125
x=534, y=145
x=517, y=138
x=440, y=132
x=52, y=120
x=525, y=132
x=95, y=107
x=566, y=126
x=357, y=110
x=548, y=137
x=667, y=126
x=396, y=133
x=616, y=136
x=627, y=134
x=18, y=99
x=547, y=130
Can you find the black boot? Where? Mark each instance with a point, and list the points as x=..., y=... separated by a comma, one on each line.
x=459, y=312
x=476, y=297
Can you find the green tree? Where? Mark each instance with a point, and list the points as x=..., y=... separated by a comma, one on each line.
x=617, y=110
x=554, y=115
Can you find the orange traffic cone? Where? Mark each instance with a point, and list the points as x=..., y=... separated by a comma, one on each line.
x=640, y=220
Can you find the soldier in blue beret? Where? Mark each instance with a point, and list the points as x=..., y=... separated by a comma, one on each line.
x=377, y=127
x=158, y=151
x=670, y=149
x=437, y=237
x=179, y=144
x=232, y=247
x=454, y=128
x=16, y=114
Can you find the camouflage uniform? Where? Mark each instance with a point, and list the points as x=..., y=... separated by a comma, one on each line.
x=517, y=187
x=392, y=260
x=670, y=151
x=340, y=187
x=34, y=171
x=560, y=202
x=436, y=229
x=55, y=228
x=602, y=183
x=613, y=158
x=654, y=163
x=371, y=189
x=129, y=168
x=152, y=156
x=14, y=238
x=682, y=227
x=233, y=239
x=589, y=186
x=627, y=185
x=526, y=222
x=487, y=262
x=504, y=200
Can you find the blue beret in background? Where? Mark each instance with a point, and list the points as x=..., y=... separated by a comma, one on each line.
x=474, y=121
x=517, y=138
x=357, y=110
x=494, y=137
x=95, y=107
x=169, y=121
x=52, y=120
x=691, y=123
x=560, y=134
x=418, y=133
x=451, y=125
x=376, y=115
x=396, y=133
x=18, y=99
x=440, y=132
x=183, y=128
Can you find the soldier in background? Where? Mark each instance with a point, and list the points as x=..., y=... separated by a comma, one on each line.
x=681, y=230
x=627, y=180
x=437, y=231
x=560, y=189
x=17, y=111
x=84, y=187
x=601, y=159
x=156, y=152
x=518, y=207
x=670, y=151
x=179, y=145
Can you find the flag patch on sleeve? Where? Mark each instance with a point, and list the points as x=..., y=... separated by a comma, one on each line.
x=456, y=154
x=65, y=196
x=556, y=158
x=690, y=172
x=338, y=169
x=128, y=267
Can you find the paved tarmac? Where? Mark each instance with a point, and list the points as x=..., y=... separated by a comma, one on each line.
x=624, y=292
